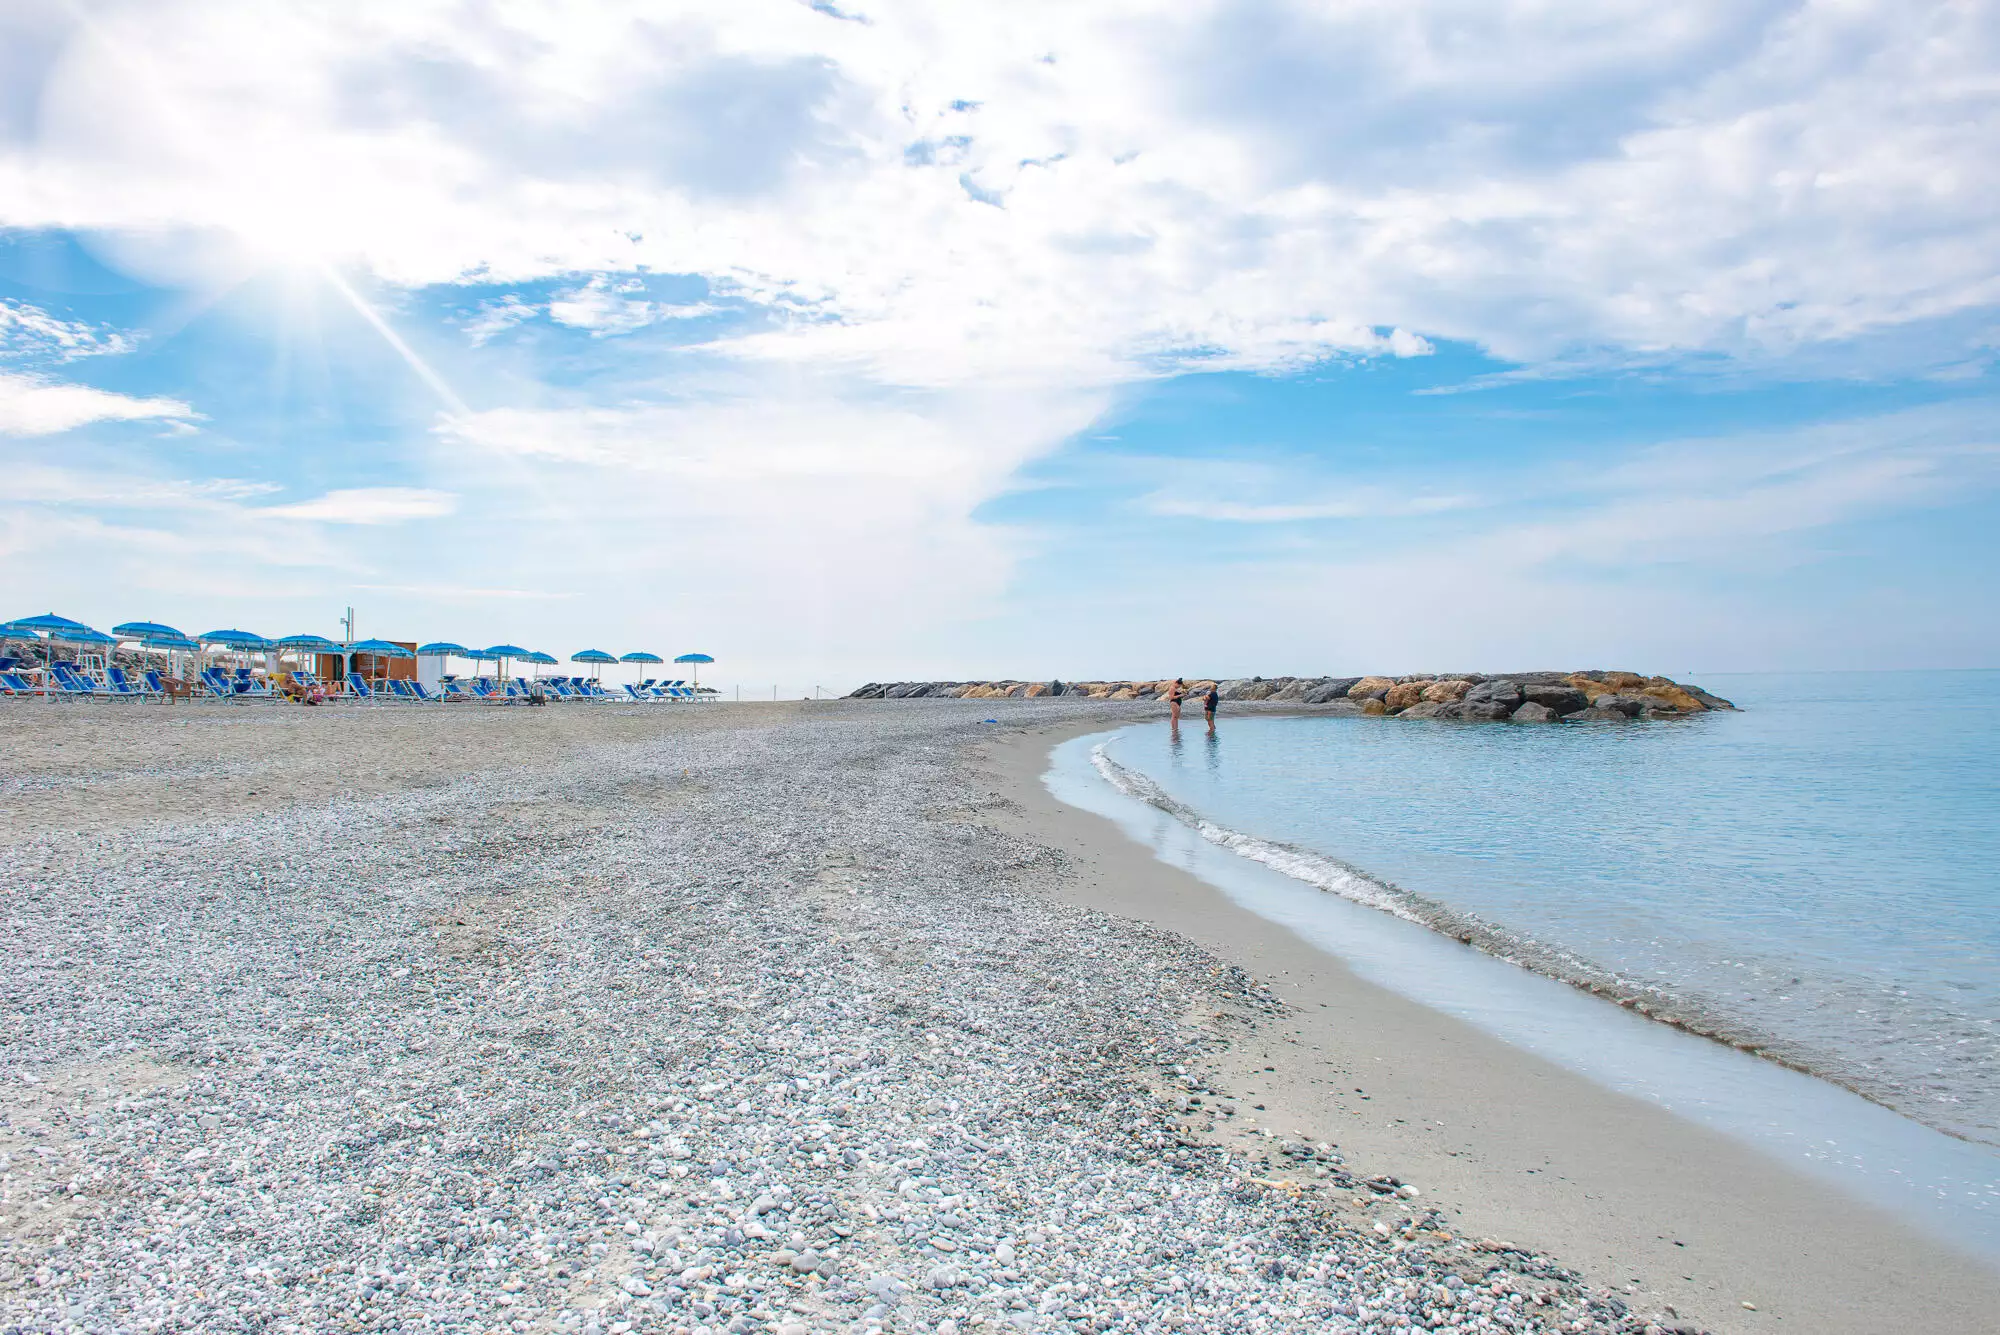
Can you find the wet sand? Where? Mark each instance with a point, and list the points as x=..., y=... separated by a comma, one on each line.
x=1670, y=1213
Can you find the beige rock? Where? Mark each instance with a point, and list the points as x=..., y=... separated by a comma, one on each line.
x=1444, y=692
x=1368, y=686
x=1123, y=693
x=1404, y=694
x=1591, y=689
x=1623, y=681
x=1374, y=707
x=1038, y=688
x=1673, y=697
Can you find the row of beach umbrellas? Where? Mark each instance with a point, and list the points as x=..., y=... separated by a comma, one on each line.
x=155, y=635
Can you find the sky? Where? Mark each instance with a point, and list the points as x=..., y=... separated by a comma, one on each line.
x=880, y=340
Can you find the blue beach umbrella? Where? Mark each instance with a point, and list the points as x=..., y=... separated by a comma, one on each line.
x=243, y=640
x=235, y=639
x=597, y=658
x=500, y=653
x=308, y=644
x=49, y=624
x=379, y=648
x=140, y=630
x=640, y=656
x=442, y=649
x=697, y=660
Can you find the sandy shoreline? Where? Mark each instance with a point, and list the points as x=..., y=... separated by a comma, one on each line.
x=1516, y=1146
x=758, y=1018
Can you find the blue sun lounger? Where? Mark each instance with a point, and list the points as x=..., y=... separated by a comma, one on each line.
x=70, y=681
x=119, y=684
x=13, y=683
x=357, y=686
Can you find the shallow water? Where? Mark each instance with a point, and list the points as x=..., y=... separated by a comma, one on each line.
x=1949, y=1186
x=1817, y=877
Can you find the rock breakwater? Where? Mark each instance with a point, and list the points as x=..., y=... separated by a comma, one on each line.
x=1521, y=697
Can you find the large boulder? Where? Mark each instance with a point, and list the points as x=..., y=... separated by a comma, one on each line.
x=1416, y=676
x=1057, y=688
x=1598, y=714
x=1559, y=697
x=1533, y=713
x=1483, y=711
x=1404, y=694
x=1232, y=688
x=1373, y=705
x=1498, y=692
x=1629, y=706
x=1425, y=709
x=1447, y=691
x=1670, y=698
x=1292, y=692
x=1370, y=688
x=1343, y=705
x=1712, y=701
x=1328, y=689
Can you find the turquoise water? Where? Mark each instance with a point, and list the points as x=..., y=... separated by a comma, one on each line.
x=1816, y=877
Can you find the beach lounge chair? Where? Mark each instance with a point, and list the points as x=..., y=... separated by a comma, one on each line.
x=118, y=684
x=452, y=689
x=13, y=683
x=635, y=693
x=69, y=680
x=357, y=686
x=422, y=696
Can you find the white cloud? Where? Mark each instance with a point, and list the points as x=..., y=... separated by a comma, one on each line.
x=30, y=332
x=605, y=307
x=496, y=317
x=33, y=405
x=368, y=505
x=1077, y=194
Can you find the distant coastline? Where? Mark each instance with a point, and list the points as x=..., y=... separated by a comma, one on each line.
x=1475, y=697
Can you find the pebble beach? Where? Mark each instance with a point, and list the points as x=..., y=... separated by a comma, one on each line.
x=731, y=1019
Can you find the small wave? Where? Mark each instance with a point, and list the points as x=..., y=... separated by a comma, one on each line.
x=1351, y=883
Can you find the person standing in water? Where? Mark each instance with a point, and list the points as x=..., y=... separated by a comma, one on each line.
x=1208, y=704
x=1175, y=694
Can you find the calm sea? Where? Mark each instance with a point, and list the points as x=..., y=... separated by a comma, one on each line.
x=1816, y=877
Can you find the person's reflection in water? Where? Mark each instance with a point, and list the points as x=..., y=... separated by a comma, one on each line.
x=1214, y=749
x=1174, y=743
